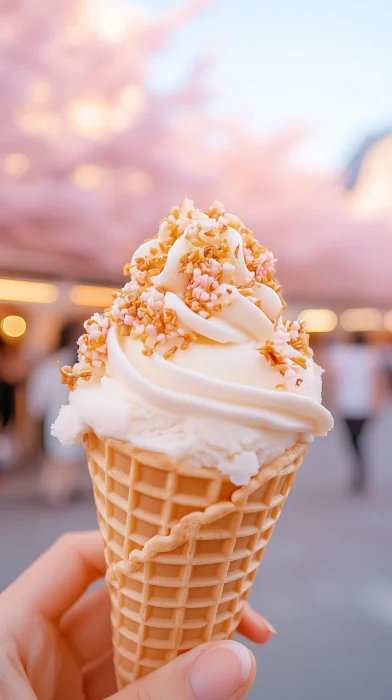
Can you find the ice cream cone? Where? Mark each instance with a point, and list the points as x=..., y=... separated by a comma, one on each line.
x=182, y=545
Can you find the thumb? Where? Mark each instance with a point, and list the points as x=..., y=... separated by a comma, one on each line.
x=223, y=671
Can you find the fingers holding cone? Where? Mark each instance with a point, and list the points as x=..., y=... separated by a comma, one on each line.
x=223, y=671
x=255, y=627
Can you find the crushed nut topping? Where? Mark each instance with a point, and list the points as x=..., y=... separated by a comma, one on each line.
x=215, y=245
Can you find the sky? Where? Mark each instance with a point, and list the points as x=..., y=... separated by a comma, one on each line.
x=323, y=65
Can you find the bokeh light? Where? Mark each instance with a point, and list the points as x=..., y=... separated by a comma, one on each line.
x=13, y=326
x=366, y=319
x=84, y=295
x=108, y=20
x=319, y=320
x=89, y=176
x=89, y=118
x=46, y=124
x=28, y=292
x=16, y=164
x=388, y=321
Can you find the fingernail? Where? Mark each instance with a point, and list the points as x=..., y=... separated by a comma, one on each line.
x=269, y=627
x=220, y=672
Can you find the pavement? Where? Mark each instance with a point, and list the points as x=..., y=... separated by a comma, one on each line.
x=325, y=582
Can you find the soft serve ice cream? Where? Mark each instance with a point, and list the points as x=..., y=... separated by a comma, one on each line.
x=194, y=358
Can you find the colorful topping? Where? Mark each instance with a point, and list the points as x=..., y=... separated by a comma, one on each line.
x=299, y=338
x=70, y=375
x=276, y=354
x=207, y=266
x=288, y=335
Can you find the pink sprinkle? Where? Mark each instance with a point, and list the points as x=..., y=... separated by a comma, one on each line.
x=129, y=320
x=215, y=267
x=161, y=338
x=180, y=332
x=130, y=286
x=205, y=296
x=150, y=330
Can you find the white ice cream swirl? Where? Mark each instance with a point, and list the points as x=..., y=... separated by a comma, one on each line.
x=224, y=316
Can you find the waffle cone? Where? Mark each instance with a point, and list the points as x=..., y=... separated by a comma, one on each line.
x=182, y=546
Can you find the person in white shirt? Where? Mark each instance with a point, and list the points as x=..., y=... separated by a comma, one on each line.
x=354, y=369
x=45, y=396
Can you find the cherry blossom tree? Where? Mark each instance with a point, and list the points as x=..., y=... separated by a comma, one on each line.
x=91, y=158
x=86, y=166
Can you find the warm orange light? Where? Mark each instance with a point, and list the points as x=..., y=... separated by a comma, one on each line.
x=47, y=124
x=16, y=164
x=97, y=297
x=319, y=320
x=29, y=292
x=89, y=118
x=366, y=319
x=388, y=321
x=13, y=326
x=89, y=176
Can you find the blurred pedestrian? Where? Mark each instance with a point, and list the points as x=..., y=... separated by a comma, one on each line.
x=386, y=358
x=354, y=370
x=7, y=406
x=45, y=396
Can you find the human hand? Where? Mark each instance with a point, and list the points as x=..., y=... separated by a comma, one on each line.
x=56, y=644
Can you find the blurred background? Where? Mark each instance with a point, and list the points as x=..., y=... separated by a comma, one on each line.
x=114, y=110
